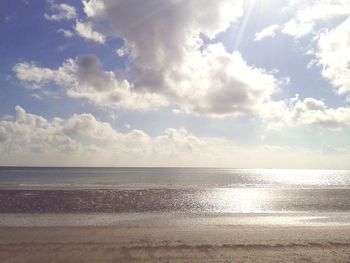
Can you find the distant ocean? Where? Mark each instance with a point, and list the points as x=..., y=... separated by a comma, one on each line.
x=172, y=190
x=170, y=178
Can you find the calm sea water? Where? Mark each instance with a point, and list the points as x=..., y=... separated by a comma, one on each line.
x=158, y=190
x=171, y=177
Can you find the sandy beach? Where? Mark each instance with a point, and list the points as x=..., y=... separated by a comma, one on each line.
x=178, y=243
x=176, y=224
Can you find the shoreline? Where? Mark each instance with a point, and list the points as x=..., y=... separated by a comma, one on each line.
x=174, y=219
x=176, y=243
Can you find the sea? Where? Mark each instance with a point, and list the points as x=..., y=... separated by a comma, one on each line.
x=41, y=196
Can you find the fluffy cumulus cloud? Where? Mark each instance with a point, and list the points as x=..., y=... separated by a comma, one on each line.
x=219, y=83
x=310, y=14
x=161, y=34
x=328, y=23
x=269, y=31
x=86, y=31
x=64, y=12
x=84, y=78
x=306, y=112
x=315, y=112
x=31, y=133
x=175, y=60
x=297, y=29
x=170, y=62
x=82, y=137
x=332, y=41
x=60, y=12
x=66, y=33
x=83, y=140
x=333, y=55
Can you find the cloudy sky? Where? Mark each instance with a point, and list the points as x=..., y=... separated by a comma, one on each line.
x=256, y=83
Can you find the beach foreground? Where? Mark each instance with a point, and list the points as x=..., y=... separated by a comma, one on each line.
x=173, y=215
x=176, y=243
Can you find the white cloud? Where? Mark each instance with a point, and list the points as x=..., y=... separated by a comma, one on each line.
x=309, y=13
x=328, y=23
x=65, y=33
x=314, y=112
x=39, y=76
x=121, y=52
x=60, y=12
x=169, y=61
x=298, y=29
x=333, y=55
x=213, y=83
x=29, y=139
x=84, y=78
x=3, y=135
x=172, y=67
x=217, y=83
x=269, y=31
x=85, y=30
x=245, y=94
x=32, y=133
x=82, y=136
x=162, y=35
x=318, y=11
x=309, y=112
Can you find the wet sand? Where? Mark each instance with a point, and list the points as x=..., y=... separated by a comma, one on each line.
x=175, y=225
x=178, y=243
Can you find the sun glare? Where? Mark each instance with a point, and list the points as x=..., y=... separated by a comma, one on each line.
x=238, y=200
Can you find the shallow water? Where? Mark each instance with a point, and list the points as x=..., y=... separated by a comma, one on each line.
x=215, y=200
x=173, y=219
x=173, y=190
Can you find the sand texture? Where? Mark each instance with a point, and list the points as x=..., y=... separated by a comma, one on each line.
x=215, y=243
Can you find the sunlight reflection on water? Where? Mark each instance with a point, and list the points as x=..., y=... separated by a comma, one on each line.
x=196, y=190
x=242, y=200
x=300, y=177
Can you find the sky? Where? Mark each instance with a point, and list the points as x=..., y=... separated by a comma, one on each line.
x=226, y=83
